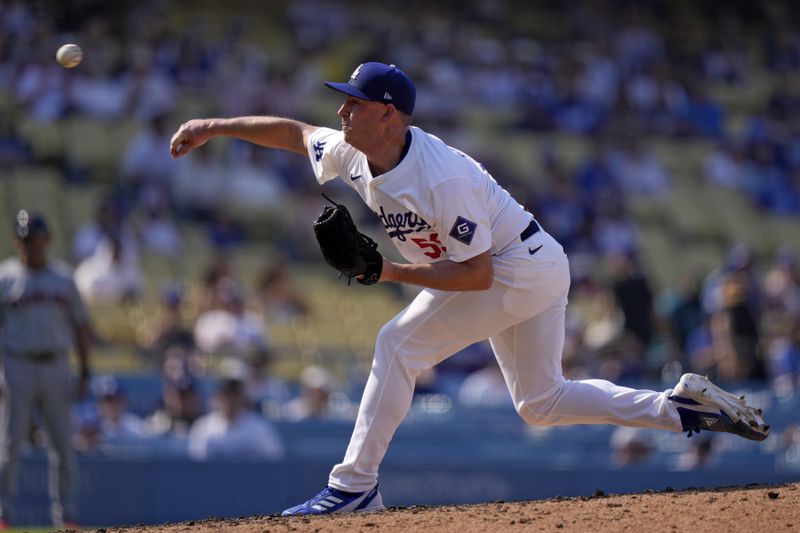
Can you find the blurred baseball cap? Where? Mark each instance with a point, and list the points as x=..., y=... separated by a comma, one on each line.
x=379, y=82
x=106, y=387
x=28, y=225
x=316, y=377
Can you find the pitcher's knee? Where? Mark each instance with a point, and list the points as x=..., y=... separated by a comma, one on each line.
x=539, y=411
x=394, y=344
x=389, y=345
x=535, y=418
x=387, y=340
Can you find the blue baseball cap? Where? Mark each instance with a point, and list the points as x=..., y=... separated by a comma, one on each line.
x=379, y=82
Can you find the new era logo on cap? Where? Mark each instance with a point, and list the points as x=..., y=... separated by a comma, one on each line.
x=379, y=82
x=27, y=225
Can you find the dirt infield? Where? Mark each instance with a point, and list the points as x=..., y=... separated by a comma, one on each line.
x=746, y=509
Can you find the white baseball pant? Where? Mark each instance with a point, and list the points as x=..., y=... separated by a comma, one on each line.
x=523, y=316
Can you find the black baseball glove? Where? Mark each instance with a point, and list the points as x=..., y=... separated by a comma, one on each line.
x=345, y=248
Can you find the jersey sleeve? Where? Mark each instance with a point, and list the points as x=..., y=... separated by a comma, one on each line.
x=325, y=151
x=463, y=218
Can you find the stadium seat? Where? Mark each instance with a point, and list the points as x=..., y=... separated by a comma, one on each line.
x=45, y=138
x=741, y=221
x=98, y=145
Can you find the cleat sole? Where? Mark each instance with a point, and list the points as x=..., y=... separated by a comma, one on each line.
x=701, y=390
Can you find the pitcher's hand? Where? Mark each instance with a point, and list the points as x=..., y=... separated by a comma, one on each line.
x=189, y=136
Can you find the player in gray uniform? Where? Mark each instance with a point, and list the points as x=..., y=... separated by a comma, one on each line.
x=487, y=268
x=42, y=317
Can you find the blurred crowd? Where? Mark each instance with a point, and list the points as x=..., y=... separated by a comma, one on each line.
x=619, y=75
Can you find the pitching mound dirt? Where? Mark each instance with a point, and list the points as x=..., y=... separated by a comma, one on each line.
x=728, y=509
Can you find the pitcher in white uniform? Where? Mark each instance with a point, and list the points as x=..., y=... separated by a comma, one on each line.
x=488, y=269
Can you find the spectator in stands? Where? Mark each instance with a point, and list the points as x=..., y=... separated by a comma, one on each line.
x=251, y=182
x=231, y=328
x=316, y=386
x=182, y=401
x=224, y=232
x=639, y=172
x=725, y=58
x=94, y=91
x=724, y=165
x=152, y=93
x=634, y=297
x=117, y=424
x=600, y=318
x=265, y=392
x=686, y=312
x=704, y=116
x=614, y=231
x=169, y=329
x=111, y=275
x=657, y=99
x=781, y=286
x=108, y=221
x=783, y=354
x=594, y=176
x=231, y=430
x=765, y=181
x=41, y=87
x=216, y=276
x=198, y=185
x=559, y=207
x=735, y=334
x=739, y=261
x=88, y=435
x=700, y=350
x=278, y=295
x=158, y=231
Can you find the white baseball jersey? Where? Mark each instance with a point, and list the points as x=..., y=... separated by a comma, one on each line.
x=437, y=203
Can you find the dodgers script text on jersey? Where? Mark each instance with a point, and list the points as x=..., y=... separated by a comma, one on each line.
x=436, y=204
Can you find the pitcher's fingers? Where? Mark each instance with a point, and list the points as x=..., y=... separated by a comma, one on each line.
x=178, y=147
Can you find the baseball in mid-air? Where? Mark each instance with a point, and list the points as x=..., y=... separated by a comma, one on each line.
x=69, y=55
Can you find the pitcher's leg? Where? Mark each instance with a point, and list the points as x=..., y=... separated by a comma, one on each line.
x=529, y=354
x=436, y=325
x=596, y=401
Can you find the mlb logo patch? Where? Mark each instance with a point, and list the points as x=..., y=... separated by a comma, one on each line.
x=463, y=230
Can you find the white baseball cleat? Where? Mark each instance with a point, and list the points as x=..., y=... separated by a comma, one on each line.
x=703, y=405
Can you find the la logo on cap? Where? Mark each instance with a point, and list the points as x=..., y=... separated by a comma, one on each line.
x=354, y=75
